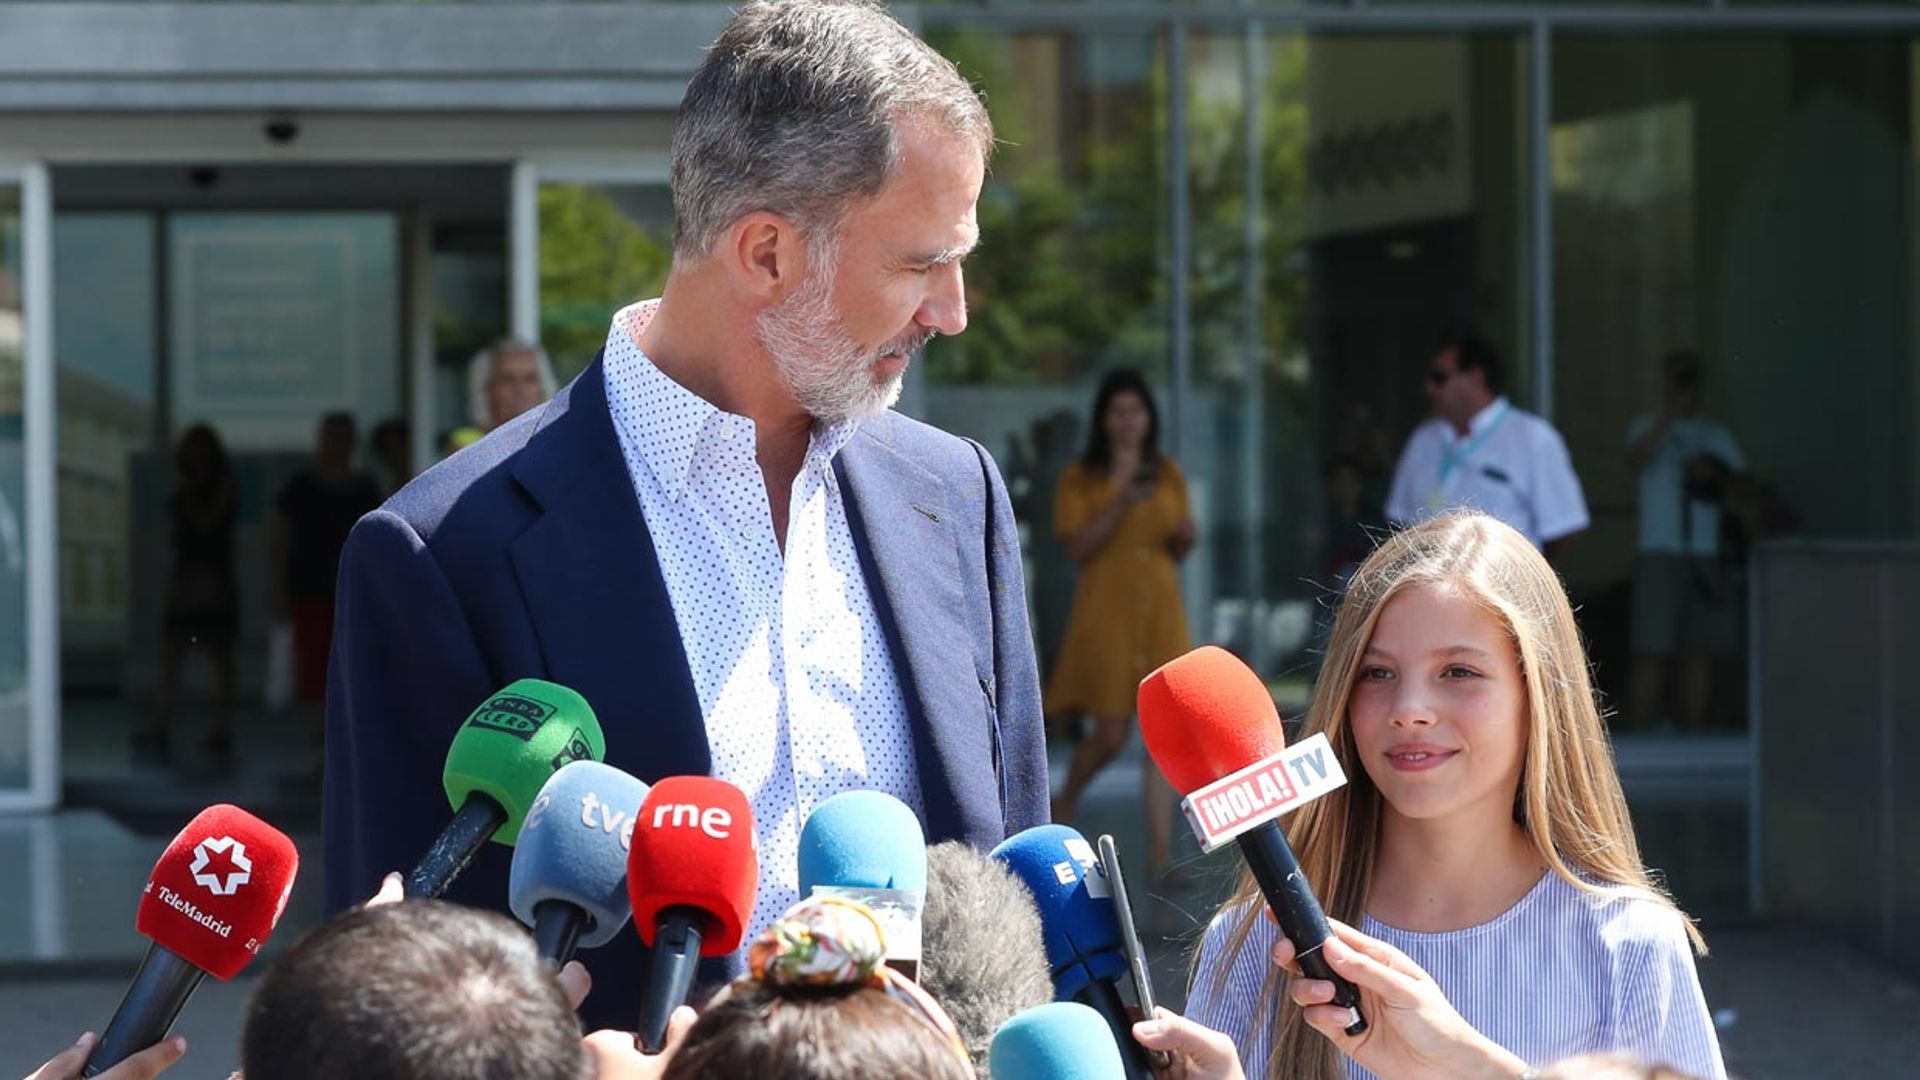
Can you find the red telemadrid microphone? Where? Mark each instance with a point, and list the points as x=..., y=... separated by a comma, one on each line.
x=1210, y=725
x=692, y=874
x=214, y=896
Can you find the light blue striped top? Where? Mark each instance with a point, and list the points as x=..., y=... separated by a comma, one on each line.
x=1561, y=972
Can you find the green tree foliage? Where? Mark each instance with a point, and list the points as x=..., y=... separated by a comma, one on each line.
x=594, y=260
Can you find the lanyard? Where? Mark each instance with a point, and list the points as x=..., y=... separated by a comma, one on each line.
x=1451, y=457
x=1454, y=456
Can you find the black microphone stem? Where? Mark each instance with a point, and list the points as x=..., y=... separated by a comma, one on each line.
x=1289, y=894
x=670, y=969
x=556, y=930
x=472, y=826
x=1104, y=998
x=159, y=990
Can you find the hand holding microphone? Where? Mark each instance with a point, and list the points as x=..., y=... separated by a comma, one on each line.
x=692, y=877
x=1210, y=725
x=214, y=896
x=144, y=1065
x=1197, y=1052
x=501, y=756
x=1416, y=1032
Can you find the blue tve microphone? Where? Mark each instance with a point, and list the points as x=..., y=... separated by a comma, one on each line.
x=1080, y=927
x=1061, y=1040
x=868, y=846
x=569, y=877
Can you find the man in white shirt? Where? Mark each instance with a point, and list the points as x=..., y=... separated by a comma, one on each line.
x=1481, y=451
x=1685, y=604
x=720, y=535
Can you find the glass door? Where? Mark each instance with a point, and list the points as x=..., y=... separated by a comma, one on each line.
x=29, y=646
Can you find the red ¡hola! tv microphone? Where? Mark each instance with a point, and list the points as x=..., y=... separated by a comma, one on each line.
x=692, y=874
x=1210, y=725
x=214, y=896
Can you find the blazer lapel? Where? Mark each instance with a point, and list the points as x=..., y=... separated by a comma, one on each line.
x=589, y=575
x=904, y=531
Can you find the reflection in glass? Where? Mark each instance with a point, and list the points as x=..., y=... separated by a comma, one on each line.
x=13, y=594
x=1070, y=278
x=1747, y=198
x=1354, y=200
x=602, y=247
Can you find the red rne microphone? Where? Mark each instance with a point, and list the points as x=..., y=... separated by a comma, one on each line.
x=692, y=874
x=1210, y=725
x=213, y=898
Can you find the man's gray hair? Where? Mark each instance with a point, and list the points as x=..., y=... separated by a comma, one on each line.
x=795, y=111
x=480, y=377
x=982, y=956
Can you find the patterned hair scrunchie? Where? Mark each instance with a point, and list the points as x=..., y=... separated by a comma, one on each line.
x=831, y=941
x=823, y=941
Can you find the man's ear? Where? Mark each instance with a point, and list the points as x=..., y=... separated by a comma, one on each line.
x=765, y=256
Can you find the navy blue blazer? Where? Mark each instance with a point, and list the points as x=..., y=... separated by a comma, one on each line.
x=525, y=555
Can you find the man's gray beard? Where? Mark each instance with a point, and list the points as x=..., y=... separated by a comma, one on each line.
x=825, y=371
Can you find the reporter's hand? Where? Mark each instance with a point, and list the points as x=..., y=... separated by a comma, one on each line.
x=616, y=1056
x=1413, y=1032
x=392, y=890
x=575, y=981
x=144, y=1065
x=1198, y=1052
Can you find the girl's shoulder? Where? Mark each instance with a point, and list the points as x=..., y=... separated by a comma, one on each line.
x=1625, y=918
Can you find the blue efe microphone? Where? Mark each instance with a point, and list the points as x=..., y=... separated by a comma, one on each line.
x=1061, y=1040
x=569, y=876
x=869, y=846
x=1081, y=929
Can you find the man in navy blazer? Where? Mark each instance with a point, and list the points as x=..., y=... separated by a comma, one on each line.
x=826, y=165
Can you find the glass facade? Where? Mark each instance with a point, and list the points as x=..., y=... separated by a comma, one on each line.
x=1273, y=210
x=602, y=246
x=14, y=734
x=1345, y=200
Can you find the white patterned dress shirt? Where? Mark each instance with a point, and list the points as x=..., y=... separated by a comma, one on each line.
x=795, y=679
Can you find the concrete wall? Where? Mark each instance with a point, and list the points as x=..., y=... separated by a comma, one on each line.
x=384, y=57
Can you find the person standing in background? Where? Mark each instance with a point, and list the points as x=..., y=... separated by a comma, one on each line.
x=202, y=604
x=1685, y=610
x=506, y=379
x=1121, y=510
x=1480, y=451
x=312, y=516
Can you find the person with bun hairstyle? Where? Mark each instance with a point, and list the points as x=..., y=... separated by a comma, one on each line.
x=1480, y=861
x=821, y=1004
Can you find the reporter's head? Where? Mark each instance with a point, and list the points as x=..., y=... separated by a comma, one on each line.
x=821, y=1005
x=414, y=991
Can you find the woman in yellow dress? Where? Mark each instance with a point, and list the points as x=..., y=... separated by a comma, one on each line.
x=1121, y=511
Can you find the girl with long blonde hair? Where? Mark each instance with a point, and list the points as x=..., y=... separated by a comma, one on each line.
x=1482, y=836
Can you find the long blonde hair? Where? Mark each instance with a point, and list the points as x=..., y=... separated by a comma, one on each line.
x=1569, y=801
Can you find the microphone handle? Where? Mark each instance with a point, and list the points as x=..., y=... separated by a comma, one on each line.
x=472, y=826
x=159, y=990
x=1104, y=998
x=670, y=968
x=556, y=930
x=1298, y=911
